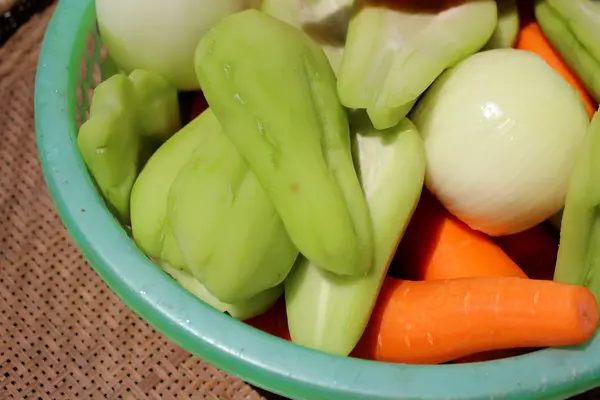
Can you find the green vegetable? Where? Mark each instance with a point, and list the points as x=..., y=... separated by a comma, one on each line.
x=242, y=311
x=325, y=21
x=573, y=28
x=150, y=191
x=578, y=260
x=395, y=51
x=157, y=105
x=507, y=29
x=329, y=312
x=226, y=227
x=285, y=119
x=119, y=136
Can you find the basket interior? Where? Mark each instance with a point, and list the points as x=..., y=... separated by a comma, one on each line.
x=95, y=66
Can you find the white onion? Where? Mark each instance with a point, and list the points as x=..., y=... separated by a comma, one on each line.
x=160, y=35
x=501, y=132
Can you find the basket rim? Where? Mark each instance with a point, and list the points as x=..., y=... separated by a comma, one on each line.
x=236, y=348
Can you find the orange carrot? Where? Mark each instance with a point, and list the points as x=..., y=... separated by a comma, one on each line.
x=534, y=250
x=437, y=245
x=273, y=321
x=532, y=38
x=438, y=321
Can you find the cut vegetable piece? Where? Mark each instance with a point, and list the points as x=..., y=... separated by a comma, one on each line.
x=437, y=245
x=394, y=51
x=325, y=21
x=329, y=312
x=573, y=28
x=578, y=260
x=227, y=229
x=437, y=321
x=247, y=309
x=285, y=119
x=118, y=138
x=507, y=29
x=531, y=38
x=150, y=191
x=158, y=105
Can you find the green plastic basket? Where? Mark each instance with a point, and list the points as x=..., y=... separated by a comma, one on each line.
x=70, y=66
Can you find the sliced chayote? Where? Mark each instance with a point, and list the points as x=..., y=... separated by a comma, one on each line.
x=274, y=92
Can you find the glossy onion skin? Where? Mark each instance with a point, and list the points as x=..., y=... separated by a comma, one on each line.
x=501, y=132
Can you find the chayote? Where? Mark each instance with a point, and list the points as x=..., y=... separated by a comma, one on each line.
x=578, y=259
x=243, y=310
x=229, y=233
x=573, y=28
x=150, y=191
x=329, y=312
x=274, y=92
x=129, y=117
x=396, y=49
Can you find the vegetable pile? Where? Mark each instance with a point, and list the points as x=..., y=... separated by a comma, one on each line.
x=401, y=181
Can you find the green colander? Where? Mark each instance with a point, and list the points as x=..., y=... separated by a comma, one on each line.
x=70, y=66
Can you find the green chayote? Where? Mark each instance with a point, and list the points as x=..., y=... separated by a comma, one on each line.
x=578, y=260
x=228, y=231
x=243, y=310
x=328, y=312
x=395, y=50
x=573, y=28
x=129, y=117
x=274, y=92
x=149, y=194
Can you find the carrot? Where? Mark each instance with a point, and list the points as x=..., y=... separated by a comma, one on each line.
x=437, y=245
x=532, y=38
x=534, y=250
x=438, y=321
x=273, y=321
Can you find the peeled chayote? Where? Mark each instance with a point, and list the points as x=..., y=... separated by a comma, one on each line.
x=228, y=231
x=274, y=92
x=243, y=310
x=150, y=191
x=329, y=312
x=578, y=259
x=129, y=116
x=396, y=49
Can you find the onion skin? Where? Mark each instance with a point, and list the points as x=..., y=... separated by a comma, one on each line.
x=501, y=133
x=160, y=36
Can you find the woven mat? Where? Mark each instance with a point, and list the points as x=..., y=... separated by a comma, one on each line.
x=63, y=333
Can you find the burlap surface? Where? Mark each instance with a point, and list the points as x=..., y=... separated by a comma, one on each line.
x=63, y=333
